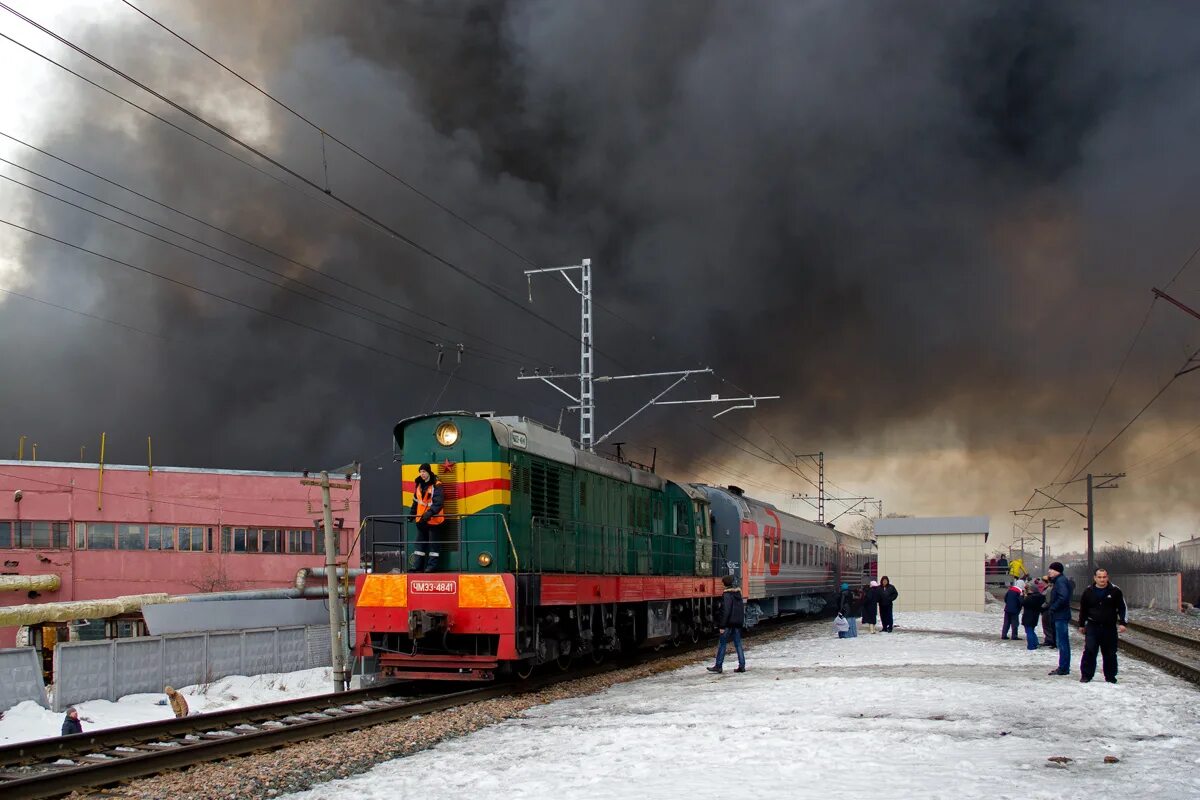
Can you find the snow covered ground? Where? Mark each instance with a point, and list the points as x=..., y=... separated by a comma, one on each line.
x=902, y=715
x=28, y=720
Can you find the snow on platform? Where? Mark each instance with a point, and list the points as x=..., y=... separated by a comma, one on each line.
x=910, y=714
x=28, y=720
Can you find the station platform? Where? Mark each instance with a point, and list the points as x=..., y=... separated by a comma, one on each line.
x=943, y=708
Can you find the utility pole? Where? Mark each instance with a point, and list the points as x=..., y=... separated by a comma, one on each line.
x=1105, y=483
x=585, y=403
x=1047, y=523
x=336, y=639
x=819, y=458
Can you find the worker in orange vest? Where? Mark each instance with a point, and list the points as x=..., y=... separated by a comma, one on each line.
x=428, y=500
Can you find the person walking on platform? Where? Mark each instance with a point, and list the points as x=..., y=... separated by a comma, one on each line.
x=1101, y=617
x=871, y=606
x=733, y=619
x=428, y=501
x=1031, y=612
x=1060, y=612
x=1012, y=609
x=887, y=596
x=849, y=606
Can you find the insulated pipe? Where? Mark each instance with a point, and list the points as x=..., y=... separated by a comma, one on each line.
x=34, y=613
x=304, y=573
x=257, y=594
x=30, y=583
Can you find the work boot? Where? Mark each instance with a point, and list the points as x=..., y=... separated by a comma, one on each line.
x=431, y=564
x=743, y=669
x=716, y=670
x=416, y=562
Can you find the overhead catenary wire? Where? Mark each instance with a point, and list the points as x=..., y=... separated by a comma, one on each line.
x=368, y=217
x=420, y=335
x=324, y=133
x=231, y=234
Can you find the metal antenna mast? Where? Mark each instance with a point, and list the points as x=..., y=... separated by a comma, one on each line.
x=586, y=401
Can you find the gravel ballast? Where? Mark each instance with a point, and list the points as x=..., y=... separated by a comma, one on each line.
x=303, y=765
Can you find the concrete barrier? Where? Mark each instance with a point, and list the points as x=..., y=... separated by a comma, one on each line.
x=21, y=677
x=1162, y=590
x=111, y=669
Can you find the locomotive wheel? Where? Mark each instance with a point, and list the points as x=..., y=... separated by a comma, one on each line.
x=563, y=662
x=597, y=656
x=695, y=634
x=523, y=669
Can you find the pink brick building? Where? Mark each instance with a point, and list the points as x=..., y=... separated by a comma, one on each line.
x=174, y=529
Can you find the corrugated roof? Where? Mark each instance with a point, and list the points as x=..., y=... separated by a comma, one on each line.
x=915, y=526
x=143, y=468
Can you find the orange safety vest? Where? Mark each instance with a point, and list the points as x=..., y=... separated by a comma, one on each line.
x=424, y=499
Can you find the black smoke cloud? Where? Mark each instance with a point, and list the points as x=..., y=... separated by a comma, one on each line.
x=925, y=225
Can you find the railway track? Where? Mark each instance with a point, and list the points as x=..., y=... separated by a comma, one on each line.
x=54, y=767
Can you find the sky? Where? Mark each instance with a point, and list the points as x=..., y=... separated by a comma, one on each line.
x=932, y=229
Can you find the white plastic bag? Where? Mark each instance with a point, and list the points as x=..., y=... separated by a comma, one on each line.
x=841, y=624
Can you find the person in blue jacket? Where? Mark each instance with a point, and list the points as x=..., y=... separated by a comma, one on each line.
x=1031, y=613
x=1060, y=612
x=1012, y=609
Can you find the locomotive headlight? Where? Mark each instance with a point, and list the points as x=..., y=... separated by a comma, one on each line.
x=484, y=559
x=446, y=434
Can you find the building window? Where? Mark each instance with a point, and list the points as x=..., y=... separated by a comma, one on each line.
x=5, y=535
x=80, y=535
x=161, y=537
x=271, y=540
x=131, y=537
x=101, y=536
x=191, y=538
x=300, y=541
x=337, y=541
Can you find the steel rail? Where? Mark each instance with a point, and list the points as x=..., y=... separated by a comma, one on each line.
x=40, y=750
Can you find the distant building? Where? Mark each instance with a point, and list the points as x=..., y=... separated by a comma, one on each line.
x=174, y=529
x=935, y=562
x=1189, y=553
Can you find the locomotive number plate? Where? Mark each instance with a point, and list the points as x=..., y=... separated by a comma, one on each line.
x=433, y=587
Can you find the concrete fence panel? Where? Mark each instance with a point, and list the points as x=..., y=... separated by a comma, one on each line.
x=21, y=677
x=82, y=671
x=262, y=654
x=1160, y=590
x=183, y=660
x=137, y=666
x=293, y=655
x=224, y=655
x=111, y=669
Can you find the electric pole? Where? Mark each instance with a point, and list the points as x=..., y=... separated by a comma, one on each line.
x=1047, y=523
x=585, y=403
x=337, y=655
x=819, y=458
x=1105, y=483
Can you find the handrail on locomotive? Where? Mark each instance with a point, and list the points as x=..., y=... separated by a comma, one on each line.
x=555, y=545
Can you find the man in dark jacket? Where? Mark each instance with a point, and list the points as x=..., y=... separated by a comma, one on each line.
x=1101, y=617
x=733, y=619
x=428, y=501
x=1012, y=609
x=1060, y=612
x=887, y=596
x=71, y=724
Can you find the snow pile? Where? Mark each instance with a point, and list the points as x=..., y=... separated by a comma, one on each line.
x=900, y=715
x=28, y=720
